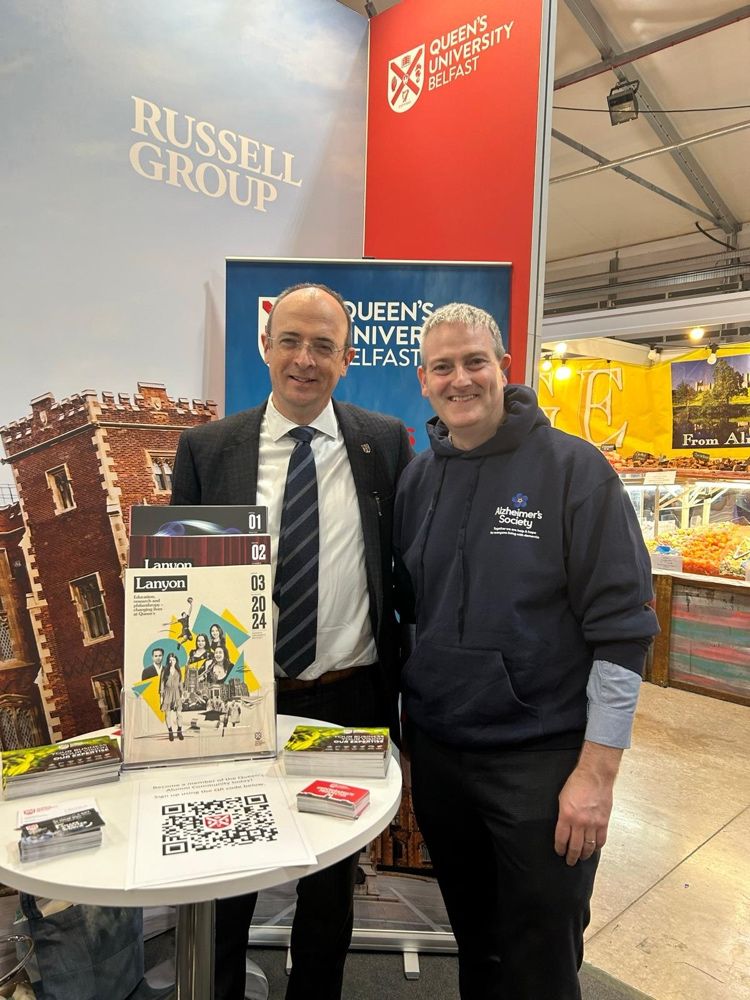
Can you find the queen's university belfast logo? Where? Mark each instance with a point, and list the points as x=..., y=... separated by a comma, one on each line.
x=405, y=79
x=447, y=59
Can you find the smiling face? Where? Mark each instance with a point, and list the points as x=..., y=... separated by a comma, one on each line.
x=303, y=380
x=463, y=380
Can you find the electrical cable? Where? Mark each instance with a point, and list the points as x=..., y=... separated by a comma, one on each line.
x=721, y=243
x=661, y=111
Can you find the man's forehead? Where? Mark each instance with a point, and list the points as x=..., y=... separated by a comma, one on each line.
x=458, y=338
x=311, y=304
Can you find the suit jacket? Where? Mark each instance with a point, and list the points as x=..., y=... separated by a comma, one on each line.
x=217, y=463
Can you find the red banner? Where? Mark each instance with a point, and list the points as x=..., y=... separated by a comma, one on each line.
x=451, y=138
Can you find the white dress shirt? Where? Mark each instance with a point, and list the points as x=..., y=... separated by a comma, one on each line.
x=345, y=636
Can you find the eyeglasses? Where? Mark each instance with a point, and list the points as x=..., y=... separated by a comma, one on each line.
x=323, y=349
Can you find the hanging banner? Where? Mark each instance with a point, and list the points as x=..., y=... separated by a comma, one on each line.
x=388, y=302
x=668, y=410
x=455, y=138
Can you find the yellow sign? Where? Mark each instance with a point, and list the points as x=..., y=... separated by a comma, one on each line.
x=666, y=409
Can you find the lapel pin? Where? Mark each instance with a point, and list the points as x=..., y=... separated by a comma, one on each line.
x=366, y=448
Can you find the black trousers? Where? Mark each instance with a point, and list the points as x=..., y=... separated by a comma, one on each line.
x=518, y=912
x=324, y=916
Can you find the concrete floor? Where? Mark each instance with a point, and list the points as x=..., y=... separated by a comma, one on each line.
x=671, y=908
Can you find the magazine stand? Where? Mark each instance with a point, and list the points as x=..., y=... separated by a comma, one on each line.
x=104, y=883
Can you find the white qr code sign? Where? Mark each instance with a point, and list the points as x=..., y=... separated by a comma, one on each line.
x=215, y=825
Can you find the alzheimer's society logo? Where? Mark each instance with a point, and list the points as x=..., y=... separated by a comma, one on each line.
x=405, y=79
x=265, y=305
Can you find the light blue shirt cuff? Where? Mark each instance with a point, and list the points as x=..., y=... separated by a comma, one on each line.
x=612, y=693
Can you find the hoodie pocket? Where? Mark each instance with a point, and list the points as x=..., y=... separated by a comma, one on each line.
x=465, y=697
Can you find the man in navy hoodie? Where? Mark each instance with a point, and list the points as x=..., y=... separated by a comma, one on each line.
x=532, y=587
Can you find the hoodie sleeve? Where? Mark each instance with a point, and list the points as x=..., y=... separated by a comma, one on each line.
x=609, y=576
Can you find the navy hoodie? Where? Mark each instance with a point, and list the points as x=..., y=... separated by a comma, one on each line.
x=527, y=563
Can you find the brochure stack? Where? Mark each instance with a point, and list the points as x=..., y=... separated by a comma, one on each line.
x=340, y=753
x=57, y=766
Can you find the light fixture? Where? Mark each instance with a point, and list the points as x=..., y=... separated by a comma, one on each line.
x=711, y=359
x=563, y=371
x=370, y=8
x=654, y=353
x=622, y=102
x=546, y=364
x=697, y=333
x=560, y=349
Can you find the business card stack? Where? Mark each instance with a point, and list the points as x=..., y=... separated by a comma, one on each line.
x=49, y=831
x=338, y=752
x=333, y=799
x=58, y=766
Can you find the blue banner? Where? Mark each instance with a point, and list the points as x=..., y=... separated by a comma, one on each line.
x=388, y=302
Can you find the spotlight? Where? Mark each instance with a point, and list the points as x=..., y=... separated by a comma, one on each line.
x=370, y=8
x=697, y=333
x=563, y=371
x=654, y=353
x=622, y=102
x=546, y=364
x=711, y=359
x=560, y=349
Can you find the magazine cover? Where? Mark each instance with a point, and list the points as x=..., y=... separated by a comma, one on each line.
x=198, y=671
x=179, y=551
x=231, y=519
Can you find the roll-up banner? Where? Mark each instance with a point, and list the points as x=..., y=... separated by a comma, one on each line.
x=388, y=302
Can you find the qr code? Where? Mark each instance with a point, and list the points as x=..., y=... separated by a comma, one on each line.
x=204, y=826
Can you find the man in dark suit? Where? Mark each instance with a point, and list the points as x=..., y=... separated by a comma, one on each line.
x=351, y=677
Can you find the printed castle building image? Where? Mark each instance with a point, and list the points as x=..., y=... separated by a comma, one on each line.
x=22, y=721
x=79, y=465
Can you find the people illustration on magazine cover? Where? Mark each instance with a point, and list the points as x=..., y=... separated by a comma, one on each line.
x=197, y=682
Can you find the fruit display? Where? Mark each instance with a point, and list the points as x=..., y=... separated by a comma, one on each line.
x=713, y=550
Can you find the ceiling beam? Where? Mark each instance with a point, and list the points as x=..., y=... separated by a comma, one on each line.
x=654, y=151
x=574, y=144
x=650, y=319
x=667, y=41
x=608, y=46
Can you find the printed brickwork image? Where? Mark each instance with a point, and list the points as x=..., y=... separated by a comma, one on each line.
x=78, y=464
x=198, y=664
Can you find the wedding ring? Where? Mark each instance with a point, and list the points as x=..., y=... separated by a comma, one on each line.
x=589, y=841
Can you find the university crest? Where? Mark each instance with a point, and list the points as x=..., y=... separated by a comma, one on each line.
x=405, y=79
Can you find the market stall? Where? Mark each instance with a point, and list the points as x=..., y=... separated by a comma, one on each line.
x=677, y=435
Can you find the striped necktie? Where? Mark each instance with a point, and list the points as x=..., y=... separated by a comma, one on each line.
x=296, y=584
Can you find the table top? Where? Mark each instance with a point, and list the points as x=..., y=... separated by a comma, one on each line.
x=98, y=876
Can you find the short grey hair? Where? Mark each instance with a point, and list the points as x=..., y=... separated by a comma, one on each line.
x=463, y=314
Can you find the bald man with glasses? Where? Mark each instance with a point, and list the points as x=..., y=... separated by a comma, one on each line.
x=327, y=471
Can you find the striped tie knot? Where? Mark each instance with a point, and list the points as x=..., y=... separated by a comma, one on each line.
x=303, y=435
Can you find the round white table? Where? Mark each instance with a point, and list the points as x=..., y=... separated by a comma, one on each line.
x=100, y=877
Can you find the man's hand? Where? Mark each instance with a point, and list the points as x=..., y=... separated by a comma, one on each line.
x=586, y=803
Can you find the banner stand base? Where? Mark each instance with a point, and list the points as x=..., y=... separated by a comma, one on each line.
x=410, y=943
